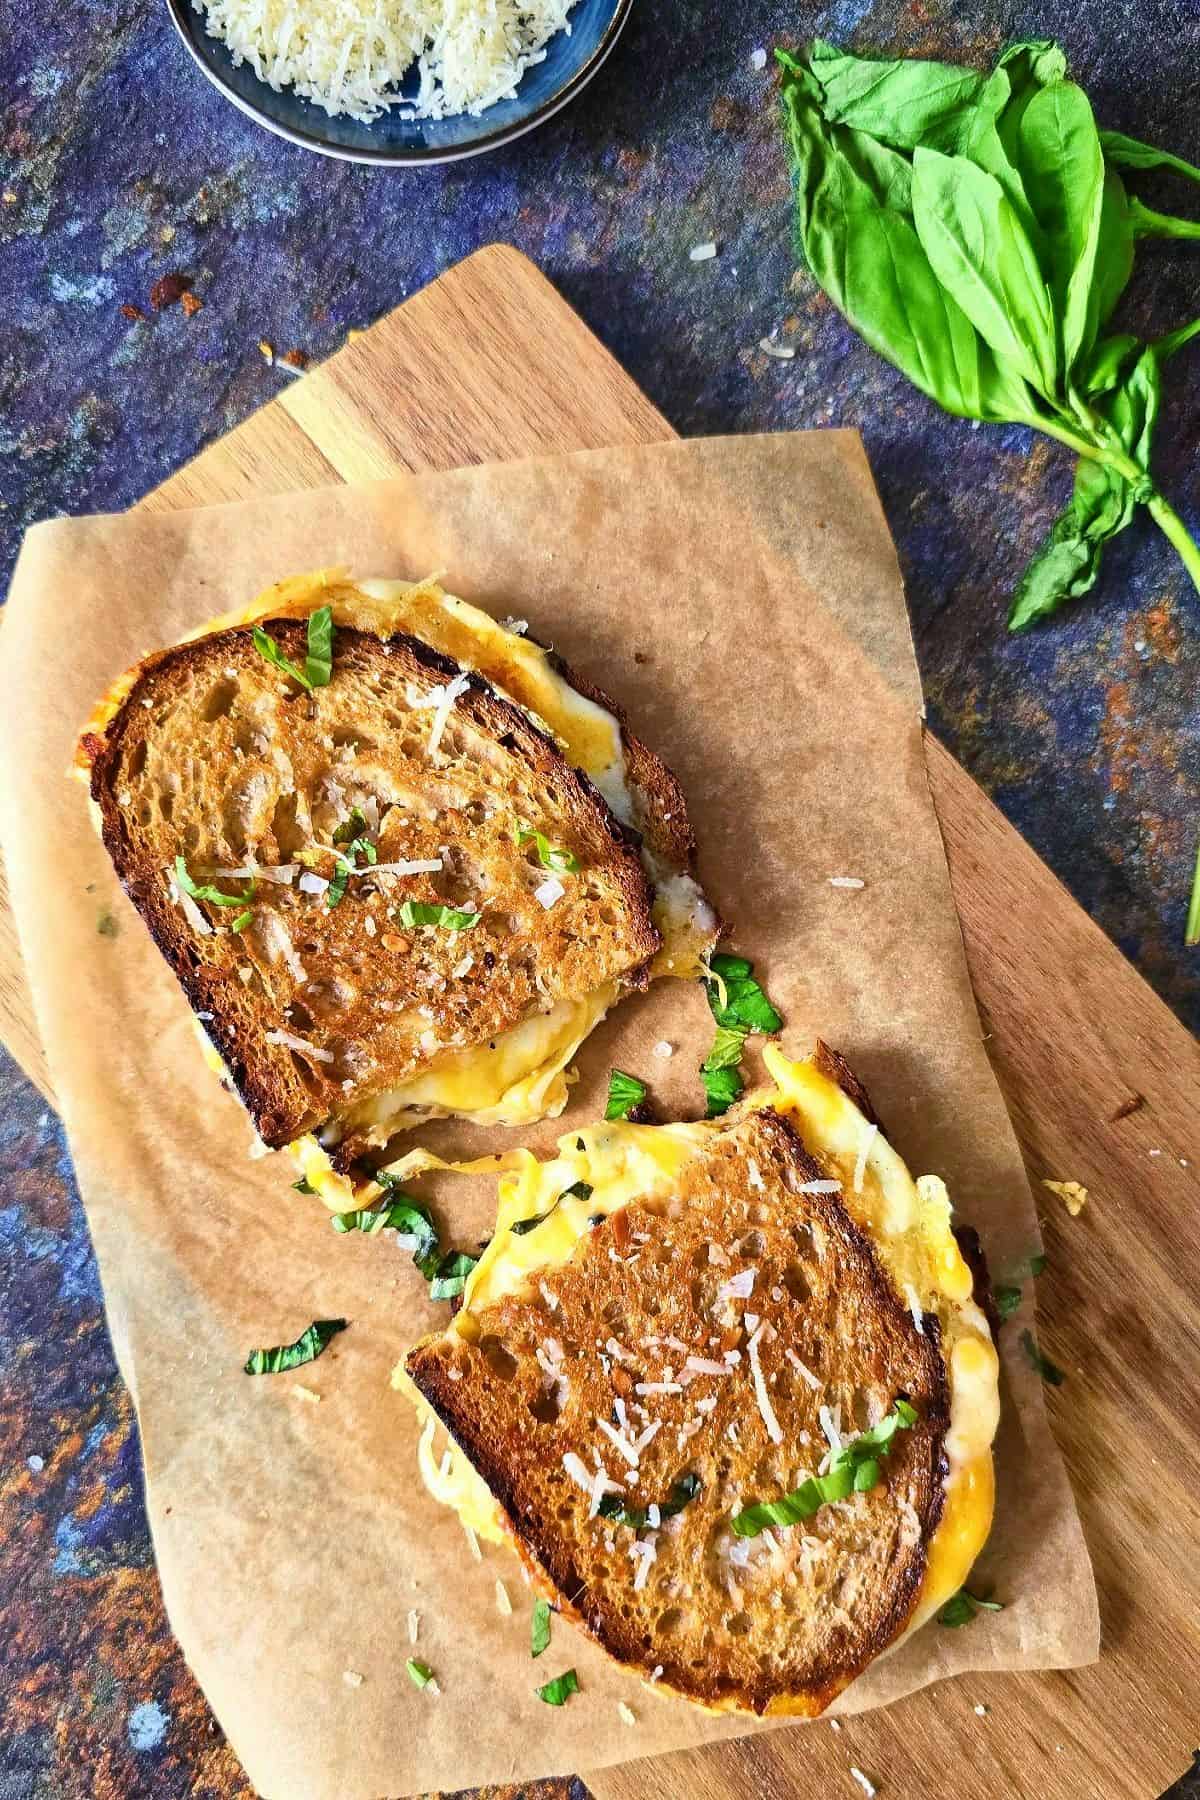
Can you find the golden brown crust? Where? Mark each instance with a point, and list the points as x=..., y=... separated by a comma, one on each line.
x=206, y=758
x=662, y=810
x=790, y=1626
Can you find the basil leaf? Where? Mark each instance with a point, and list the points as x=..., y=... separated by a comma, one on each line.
x=854, y=1469
x=558, y=1691
x=903, y=102
x=625, y=1094
x=242, y=920
x=419, y=1673
x=1068, y=562
x=539, y=1630
x=450, y=918
x=548, y=854
x=1049, y=1371
x=359, y=846
x=1061, y=159
x=404, y=1215
x=304, y=1186
x=350, y=826
x=957, y=1611
x=1129, y=153
x=1107, y=363
x=318, y=664
x=1037, y=1262
x=735, y=999
x=961, y=1608
x=854, y=227
x=266, y=646
x=307, y=1347
x=721, y=1088
x=637, y=1517
x=1007, y=1300
x=981, y=254
x=578, y=1190
x=450, y=1277
x=203, y=891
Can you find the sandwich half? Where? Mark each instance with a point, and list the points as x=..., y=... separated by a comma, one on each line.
x=730, y=1390
x=401, y=860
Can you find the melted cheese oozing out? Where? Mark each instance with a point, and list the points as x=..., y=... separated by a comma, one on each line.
x=908, y=1222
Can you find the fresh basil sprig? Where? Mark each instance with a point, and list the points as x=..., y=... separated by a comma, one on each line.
x=318, y=663
x=854, y=1470
x=976, y=231
x=307, y=1347
x=539, y=1628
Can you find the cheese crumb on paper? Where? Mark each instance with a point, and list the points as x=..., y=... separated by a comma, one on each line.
x=1073, y=1196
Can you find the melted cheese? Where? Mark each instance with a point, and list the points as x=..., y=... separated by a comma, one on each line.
x=520, y=1077
x=909, y=1223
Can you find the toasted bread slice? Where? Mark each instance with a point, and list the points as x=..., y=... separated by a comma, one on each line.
x=216, y=756
x=719, y=1334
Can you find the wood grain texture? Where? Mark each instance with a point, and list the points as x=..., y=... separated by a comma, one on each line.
x=490, y=363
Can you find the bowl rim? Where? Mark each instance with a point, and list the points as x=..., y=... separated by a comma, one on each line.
x=186, y=19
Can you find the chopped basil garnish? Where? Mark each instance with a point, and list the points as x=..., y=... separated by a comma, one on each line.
x=359, y=846
x=557, y=1692
x=242, y=920
x=445, y=1272
x=450, y=1277
x=735, y=998
x=854, y=1469
x=1007, y=1299
x=719, y=1070
x=625, y=1092
x=578, y=1190
x=304, y=1186
x=539, y=1631
x=351, y=826
x=318, y=664
x=205, y=891
x=685, y=1489
x=739, y=1006
x=419, y=1673
x=106, y=925
x=405, y=1215
x=548, y=854
x=1049, y=1371
x=450, y=918
x=307, y=1347
x=961, y=1608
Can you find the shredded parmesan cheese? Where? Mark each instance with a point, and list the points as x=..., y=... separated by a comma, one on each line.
x=760, y=1390
x=503, y=1603
x=550, y=892
x=621, y=1444
x=298, y=1043
x=864, y=1151
x=626, y=1713
x=814, y=1381
x=846, y=881
x=414, y=1625
x=865, y=1783
x=819, y=1187
x=350, y=56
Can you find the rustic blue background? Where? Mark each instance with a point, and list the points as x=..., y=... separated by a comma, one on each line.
x=118, y=165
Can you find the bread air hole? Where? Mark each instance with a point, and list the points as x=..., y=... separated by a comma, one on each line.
x=546, y=1407
x=218, y=702
x=795, y=1280
x=499, y=1360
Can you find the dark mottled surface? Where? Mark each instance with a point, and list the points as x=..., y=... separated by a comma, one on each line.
x=118, y=165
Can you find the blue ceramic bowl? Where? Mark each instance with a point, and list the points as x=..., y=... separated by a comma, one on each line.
x=570, y=63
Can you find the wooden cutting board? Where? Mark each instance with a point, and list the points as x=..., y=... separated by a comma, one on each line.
x=489, y=363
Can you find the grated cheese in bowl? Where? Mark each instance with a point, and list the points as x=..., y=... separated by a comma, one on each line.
x=349, y=56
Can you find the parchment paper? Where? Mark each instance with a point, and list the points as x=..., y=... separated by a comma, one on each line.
x=741, y=598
